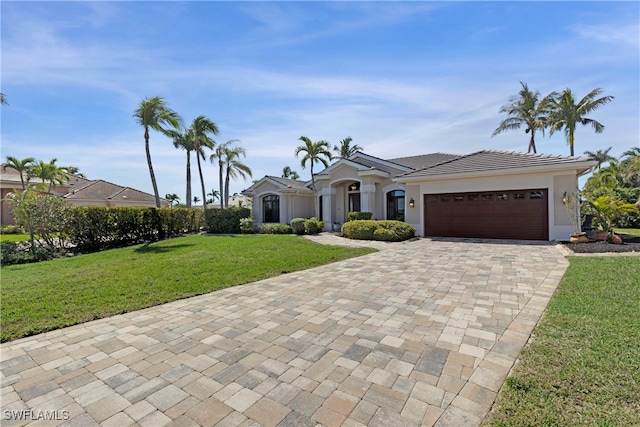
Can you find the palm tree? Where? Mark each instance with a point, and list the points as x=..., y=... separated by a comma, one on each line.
x=631, y=164
x=202, y=128
x=526, y=109
x=73, y=170
x=215, y=194
x=566, y=113
x=184, y=140
x=172, y=198
x=346, y=150
x=219, y=155
x=601, y=156
x=234, y=168
x=314, y=152
x=49, y=172
x=289, y=173
x=196, y=199
x=3, y=99
x=153, y=113
x=21, y=166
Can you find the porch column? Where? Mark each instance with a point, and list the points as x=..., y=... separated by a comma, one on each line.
x=327, y=194
x=368, y=198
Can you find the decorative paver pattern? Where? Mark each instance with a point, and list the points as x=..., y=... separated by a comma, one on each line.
x=420, y=333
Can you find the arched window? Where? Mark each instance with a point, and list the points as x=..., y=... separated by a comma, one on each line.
x=271, y=209
x=395, y=205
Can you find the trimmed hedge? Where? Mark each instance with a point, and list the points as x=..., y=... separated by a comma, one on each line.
x=384, y=230
x=225, y=221
x=275, y=229
x=93, y=228
x=312, y=226
x=355, y=216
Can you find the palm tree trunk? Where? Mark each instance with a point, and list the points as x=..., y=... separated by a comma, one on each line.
x=188, y=179
x=226, y=189
x=313, y=187
x=204, y=192
x=153, y=176
x=532, y=143
x=221, y=169
x=571, y=141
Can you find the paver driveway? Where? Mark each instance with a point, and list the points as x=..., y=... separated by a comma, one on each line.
x=421, y=332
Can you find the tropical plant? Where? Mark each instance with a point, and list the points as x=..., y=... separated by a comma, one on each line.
x=601, y=156
x=202, y=129
x=234, y=168
x=215, y=194
x=184, y=141
x=630, y=161
x=566, y=113
x=314, y=152
x=345, y=149
x=172, y=198
x=609, y=210
x=73, y=170
x=153, y=113
x=48, y=172
x=525, y=109
x=289, y=173
x=21, y=166
x=3, y=99
x=218, y=154
x=196, y=199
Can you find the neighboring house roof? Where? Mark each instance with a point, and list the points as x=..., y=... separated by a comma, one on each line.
x=488, y=161
x=103, y=190
x=281, y=183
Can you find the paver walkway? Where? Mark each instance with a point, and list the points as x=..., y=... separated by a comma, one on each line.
x=420, y=333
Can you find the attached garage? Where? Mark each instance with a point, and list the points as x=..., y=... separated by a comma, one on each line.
x=514, y=214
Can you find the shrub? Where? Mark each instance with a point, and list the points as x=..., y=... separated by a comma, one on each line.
x=21, y=253
x=276, y=229
x=386, y=230
x=312, y=226
x=247, y=225
x=355, y=216
x=11, y=229
x=298, y=225
x=225, y=221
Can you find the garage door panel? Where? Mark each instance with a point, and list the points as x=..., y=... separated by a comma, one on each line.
x=514, y=214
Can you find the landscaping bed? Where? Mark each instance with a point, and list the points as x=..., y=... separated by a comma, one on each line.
x=629, y=244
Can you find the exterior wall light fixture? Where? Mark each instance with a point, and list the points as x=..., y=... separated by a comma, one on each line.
x=412, y=203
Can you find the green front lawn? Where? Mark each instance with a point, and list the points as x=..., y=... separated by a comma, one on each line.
x=62, y=292
x=633, y=232
x=13, y=237
x=582, y=367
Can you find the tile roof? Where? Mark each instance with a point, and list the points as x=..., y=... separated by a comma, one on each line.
x=424, y=161
x=289, y=183
x=103, y=190
x=487, y=160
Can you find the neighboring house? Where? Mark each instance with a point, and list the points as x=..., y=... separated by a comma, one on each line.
x=79, y=192
x=487, y=194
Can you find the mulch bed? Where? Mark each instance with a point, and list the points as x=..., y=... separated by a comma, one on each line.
x=629, y=244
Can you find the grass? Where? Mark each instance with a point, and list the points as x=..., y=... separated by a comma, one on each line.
x=13, y=237
x=53, y=294
x=582, y=367
x=633, y=232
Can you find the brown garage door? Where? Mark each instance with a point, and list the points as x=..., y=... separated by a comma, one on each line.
x=514, y=214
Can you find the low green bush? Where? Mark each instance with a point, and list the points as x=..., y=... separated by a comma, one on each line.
x=298, y=225
x=384, y=230
x=19, y=253
x=11, y=229
x=355, y=216
x=276, y=229
x=312, y=226
x=247, y=225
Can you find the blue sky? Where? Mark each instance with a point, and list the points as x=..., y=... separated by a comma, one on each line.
x=400, y=78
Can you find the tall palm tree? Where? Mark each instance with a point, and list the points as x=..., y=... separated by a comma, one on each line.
x=566, y=113
x=601, y=156
x=215, y=194
x=346, y=150
x=21, y=166
x=184, y=140
x=218, y=154
x=202, y=129
x=153, y=113
x=314, y=152
x=73, y=170
x=50, y=172
x=526, y=109
x=234, y=168
x=631, y=164
x=172, y=198
x=3, y=99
